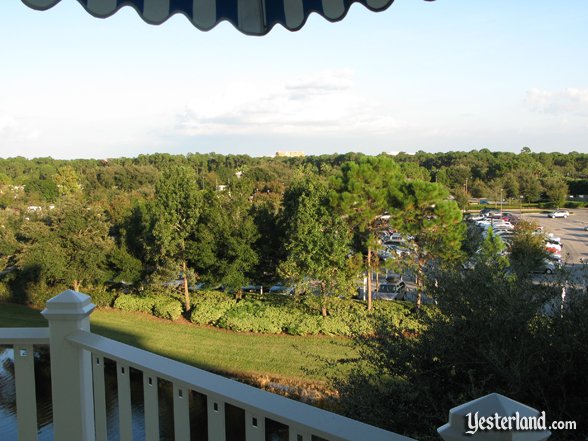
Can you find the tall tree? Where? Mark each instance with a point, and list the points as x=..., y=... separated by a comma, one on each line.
x=423, y=211
x=527, y=249
x=67, y=181
x=556, y=190
x=175, y=212
x=70, y=245
x=363, y=191
x=529, y=185
x=317, y=241
x=225, y=235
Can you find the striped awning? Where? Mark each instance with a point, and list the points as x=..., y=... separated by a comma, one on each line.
x=252, y=17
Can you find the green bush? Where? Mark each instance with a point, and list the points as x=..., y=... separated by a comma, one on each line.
x=159, y=306
x=351, y=317
x=209, y=306
x=305, y=324
x=134, y=303
x=167, y=308
x=298, y=315
x=335, y=325
x=5, y=293
x=575, y=204
x=401, y=315
x=101, y=296
x=254, y=316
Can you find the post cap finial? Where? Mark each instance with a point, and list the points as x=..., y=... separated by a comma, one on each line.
x=489, y=406
x=69, y=305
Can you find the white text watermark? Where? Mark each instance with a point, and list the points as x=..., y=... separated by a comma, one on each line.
x=516, y=422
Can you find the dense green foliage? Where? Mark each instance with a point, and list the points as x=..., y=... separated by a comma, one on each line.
x=317, y=243
x=492, y=332
x=159, y=306
x=276, y=314
x=233, y=220
x=140, y=233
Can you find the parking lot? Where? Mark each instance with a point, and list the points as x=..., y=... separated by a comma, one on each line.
x=570, y=230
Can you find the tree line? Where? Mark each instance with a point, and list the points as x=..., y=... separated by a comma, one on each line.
x=233, y=219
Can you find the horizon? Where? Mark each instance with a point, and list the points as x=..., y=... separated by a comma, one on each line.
x=392, y=154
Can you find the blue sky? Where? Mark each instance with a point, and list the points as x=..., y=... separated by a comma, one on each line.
x=432, y=76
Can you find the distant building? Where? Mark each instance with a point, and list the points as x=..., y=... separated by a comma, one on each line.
x=398, y=153
x=289, y=154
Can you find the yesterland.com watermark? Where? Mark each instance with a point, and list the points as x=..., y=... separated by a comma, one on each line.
x=516, y=422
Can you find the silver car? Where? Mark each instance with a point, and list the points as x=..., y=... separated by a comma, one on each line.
x=558, y=213
x=390, y=291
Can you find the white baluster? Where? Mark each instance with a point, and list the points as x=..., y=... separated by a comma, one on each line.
x=216, y=418
x=26, y=401
x=181, y=413
x=151, y=406
x=125, y=417
x=254, y=426
x=99, y=398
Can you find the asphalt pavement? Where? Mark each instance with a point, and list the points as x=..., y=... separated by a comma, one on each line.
x=570, y=230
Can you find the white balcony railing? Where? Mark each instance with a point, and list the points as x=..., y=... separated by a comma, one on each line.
x=78, y=388
x=79, y=394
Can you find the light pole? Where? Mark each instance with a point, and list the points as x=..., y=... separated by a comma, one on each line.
x=501, y=202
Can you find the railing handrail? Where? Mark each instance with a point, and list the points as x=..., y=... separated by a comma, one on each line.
x=20, y=336
x=279, y=408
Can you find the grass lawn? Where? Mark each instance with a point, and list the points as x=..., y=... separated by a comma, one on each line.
x=282, y=358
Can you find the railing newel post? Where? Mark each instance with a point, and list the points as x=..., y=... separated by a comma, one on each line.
x=71, y=367
x=458, y=428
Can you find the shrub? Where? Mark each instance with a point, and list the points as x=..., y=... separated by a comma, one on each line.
x=305, y=324
x=298, y=315
x=401, y=315
x=335, y=325
x=101, y=296
x=209, y=306
x=575, y=204
x=353, y=313
x=159, y=306
x=253, y=317
x=134, y=303
x=167, y=308
x=5, y=293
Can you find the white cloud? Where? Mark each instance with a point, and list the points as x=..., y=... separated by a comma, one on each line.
x=11, y=129
x=325, y=102
x=569, y=100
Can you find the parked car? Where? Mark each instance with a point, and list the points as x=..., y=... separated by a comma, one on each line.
x=550, y=238
x=197, y=286
x=475, y=217
x=502, y=224
x=558, y=213
x=122, y=286
x=258, y=289
x=546, y=267
x=282, y=289
x=399, y=250
x=390, y=290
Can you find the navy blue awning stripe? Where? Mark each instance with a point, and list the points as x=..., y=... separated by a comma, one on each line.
x=253, y=17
